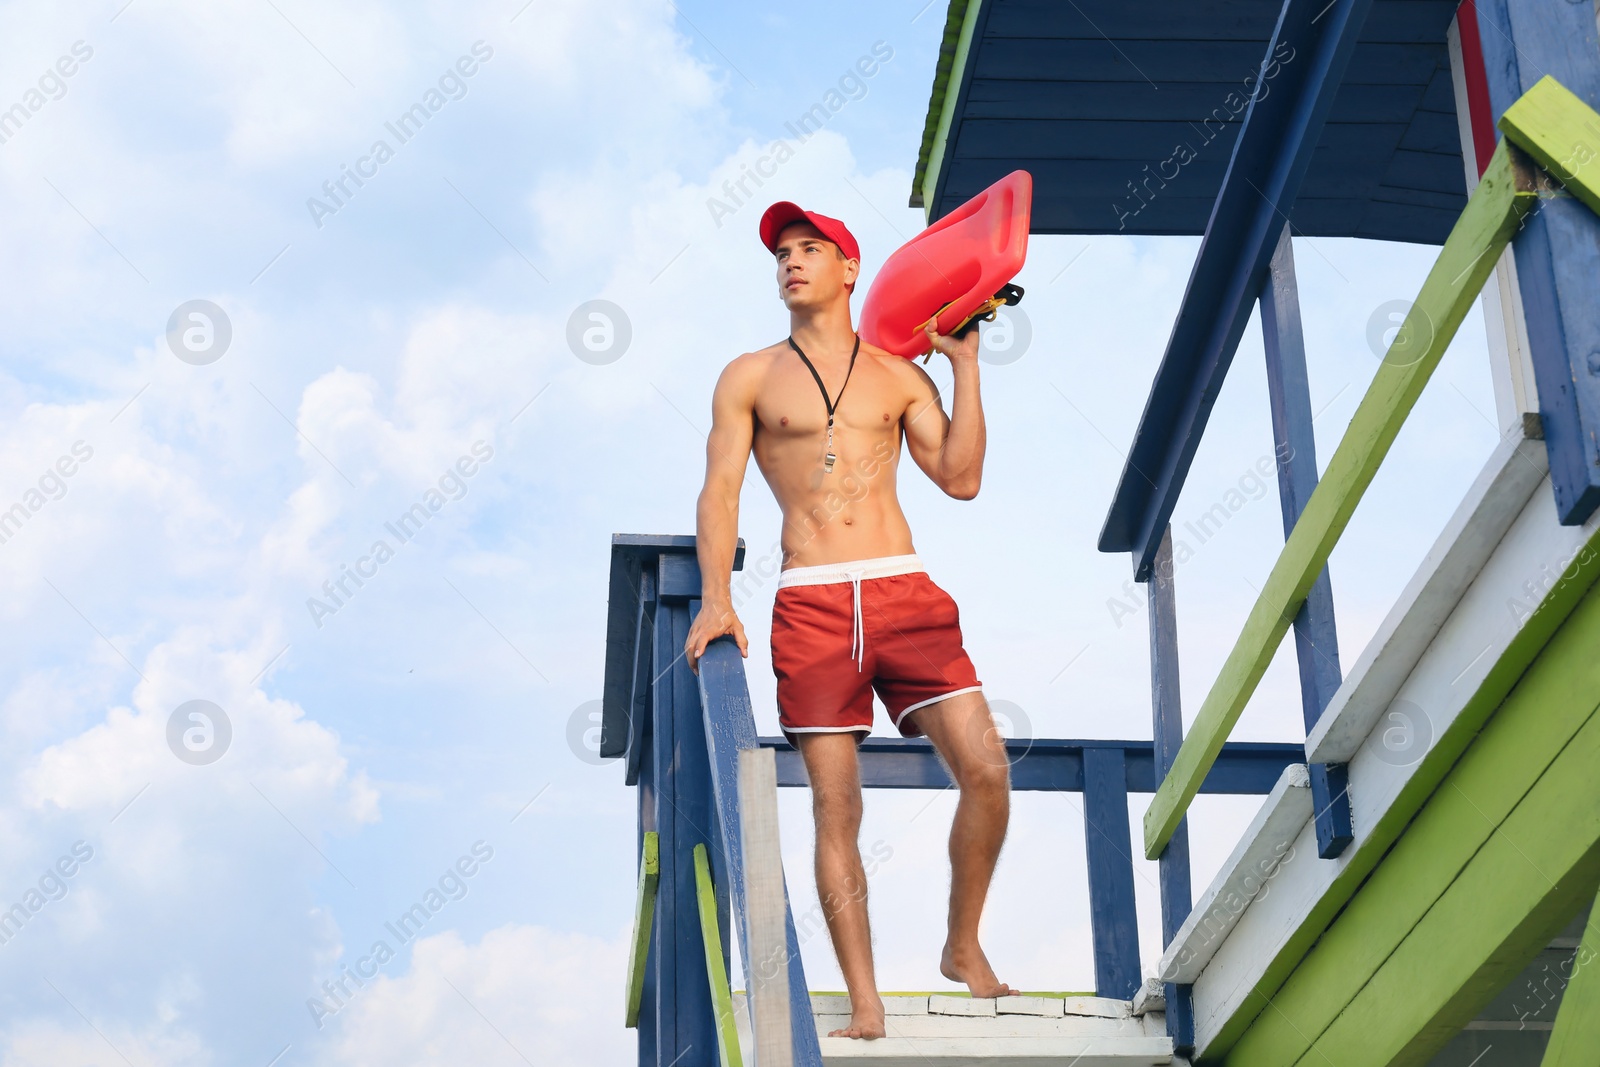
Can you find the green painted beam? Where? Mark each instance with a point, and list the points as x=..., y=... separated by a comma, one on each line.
x=644, y=913
x=1534, y=727
x=1577, y=1033
x=960, y=24
x=1468, y=257
x=1562, y=133
x=716, y=966
x=1281, y=986
x=1525, y=883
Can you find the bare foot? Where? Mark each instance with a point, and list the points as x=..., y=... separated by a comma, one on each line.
x=971, y=966
x=864, y=1024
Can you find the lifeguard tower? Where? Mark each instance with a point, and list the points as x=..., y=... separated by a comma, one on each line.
x=1435, y=907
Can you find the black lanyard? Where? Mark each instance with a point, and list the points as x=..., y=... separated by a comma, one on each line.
x=832, y=405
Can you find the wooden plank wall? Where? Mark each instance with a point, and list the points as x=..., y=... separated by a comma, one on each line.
x=1126, y=114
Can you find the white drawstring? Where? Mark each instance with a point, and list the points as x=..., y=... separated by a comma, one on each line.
x=856, y=626
x=853, y=572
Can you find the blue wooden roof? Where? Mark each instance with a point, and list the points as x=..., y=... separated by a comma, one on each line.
x=1095, y=97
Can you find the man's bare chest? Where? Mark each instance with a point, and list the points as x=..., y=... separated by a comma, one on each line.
x=790, y=402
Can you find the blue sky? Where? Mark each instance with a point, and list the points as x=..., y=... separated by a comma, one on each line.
x=422, y=325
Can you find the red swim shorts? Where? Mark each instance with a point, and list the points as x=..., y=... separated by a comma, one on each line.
x=842, y=630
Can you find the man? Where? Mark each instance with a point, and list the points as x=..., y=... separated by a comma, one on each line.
x=855, y=611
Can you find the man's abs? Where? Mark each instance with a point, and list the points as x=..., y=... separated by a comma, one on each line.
x=847, y=514
x=852, y=511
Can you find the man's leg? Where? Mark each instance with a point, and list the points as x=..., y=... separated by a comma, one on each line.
x=841, y=882
x=964, y=733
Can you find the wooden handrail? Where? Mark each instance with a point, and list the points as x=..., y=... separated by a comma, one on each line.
x=1493, y=212
x=1562, y=134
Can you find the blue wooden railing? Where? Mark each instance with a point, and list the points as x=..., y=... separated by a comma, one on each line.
x=680, y=735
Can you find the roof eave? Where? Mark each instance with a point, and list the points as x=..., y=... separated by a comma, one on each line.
x=960, y=24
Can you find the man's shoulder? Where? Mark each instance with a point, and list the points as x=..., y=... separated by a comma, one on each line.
x=766, y=355
x=756, y=359
x=744, y=372
x=905, y=370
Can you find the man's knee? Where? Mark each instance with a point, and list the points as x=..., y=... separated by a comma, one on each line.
x=837, y=811
x=983, y=774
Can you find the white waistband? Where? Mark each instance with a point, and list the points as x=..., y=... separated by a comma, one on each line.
x=854, y=570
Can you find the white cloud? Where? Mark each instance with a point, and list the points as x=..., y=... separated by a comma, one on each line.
x=522, y=993
x=46, y=1043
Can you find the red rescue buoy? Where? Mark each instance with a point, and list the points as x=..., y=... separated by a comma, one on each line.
x=958, y=268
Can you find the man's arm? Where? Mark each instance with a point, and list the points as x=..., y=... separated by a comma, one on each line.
x=717, y=511
x=949, y=450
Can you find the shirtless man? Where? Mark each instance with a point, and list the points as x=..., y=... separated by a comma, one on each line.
x=855, y=610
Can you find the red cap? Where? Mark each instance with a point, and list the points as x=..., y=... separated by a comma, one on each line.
x=783, y=213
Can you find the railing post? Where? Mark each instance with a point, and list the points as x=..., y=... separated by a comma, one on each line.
x=719, y=853
x=1109, y=846
x=685, y=1018
x=682, y=734
x=730, y=734
x=1166, y=711
x=1316, y=639
x=1557, y=250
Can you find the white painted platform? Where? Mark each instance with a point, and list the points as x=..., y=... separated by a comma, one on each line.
x=953, y=1031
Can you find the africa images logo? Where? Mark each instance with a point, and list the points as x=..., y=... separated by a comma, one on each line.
x=404, y=528
x=451, y=885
